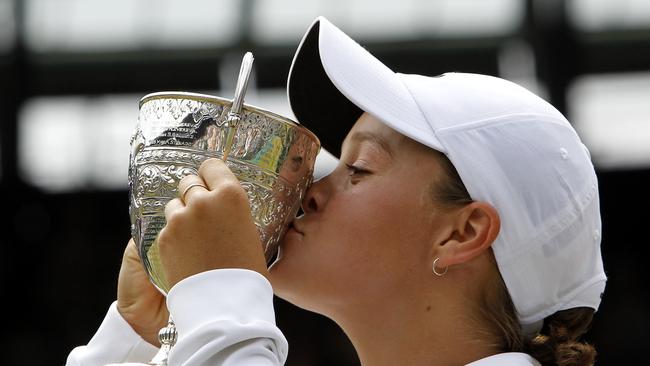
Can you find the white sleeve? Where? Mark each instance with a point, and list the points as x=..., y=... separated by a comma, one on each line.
x=114, y=342
x=225, y=317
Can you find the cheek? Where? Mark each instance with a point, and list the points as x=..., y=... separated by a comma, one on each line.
x=365, y=243
x=375, y=237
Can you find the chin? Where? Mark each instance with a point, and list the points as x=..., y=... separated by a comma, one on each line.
x=279, y=275
x=283, y=286
x=287, y=281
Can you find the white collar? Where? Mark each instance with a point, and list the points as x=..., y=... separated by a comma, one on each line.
x=507, y=359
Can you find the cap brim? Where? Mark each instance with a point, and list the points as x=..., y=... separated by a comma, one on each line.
x=314, y=100
x=333, y=80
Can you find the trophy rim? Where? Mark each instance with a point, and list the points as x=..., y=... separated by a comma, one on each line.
x=221, y=100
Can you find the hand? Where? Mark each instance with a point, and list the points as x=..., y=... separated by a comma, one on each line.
x=138, y=301
x=210, y=227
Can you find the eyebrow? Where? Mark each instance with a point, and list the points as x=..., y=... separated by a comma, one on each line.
x=378, y=140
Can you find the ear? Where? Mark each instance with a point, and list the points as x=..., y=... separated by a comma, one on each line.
x=475, y=227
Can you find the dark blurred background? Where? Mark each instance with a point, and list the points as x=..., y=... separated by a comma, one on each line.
x=72, y=73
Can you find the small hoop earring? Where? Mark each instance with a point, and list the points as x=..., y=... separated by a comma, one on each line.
x=434, y=268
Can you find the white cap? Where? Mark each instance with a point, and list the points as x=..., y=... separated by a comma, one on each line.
x=510, y=147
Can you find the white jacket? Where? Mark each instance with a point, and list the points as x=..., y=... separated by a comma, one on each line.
x=223, y=317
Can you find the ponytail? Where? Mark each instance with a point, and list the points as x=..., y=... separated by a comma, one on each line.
x=558, y=341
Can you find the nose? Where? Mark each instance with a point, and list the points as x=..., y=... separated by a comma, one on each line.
x=315, y=196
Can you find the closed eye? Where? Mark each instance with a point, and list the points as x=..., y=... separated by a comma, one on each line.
x=355, y=170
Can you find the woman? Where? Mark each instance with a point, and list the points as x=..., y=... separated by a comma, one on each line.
x=461, y=226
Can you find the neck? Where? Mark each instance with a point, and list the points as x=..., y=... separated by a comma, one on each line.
x=424, y=332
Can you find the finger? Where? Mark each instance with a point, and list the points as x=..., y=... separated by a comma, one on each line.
x=189, y=186
x=173, y=206
x=214, y=172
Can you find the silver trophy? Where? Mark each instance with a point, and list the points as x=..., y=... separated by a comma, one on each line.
x=272, y=156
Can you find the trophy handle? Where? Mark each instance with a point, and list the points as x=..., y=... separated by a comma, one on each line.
x=234, y=116
x=242, y=83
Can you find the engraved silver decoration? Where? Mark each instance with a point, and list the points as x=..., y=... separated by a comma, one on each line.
x=271, y=155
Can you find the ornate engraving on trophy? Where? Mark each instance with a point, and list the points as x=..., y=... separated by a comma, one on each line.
x=272, y=157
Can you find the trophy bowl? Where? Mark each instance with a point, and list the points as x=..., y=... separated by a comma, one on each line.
x=272, y=156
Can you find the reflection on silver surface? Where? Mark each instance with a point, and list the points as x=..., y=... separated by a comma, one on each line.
x=272, y=156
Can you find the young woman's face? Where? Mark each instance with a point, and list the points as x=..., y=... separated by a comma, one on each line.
x=368, y=228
